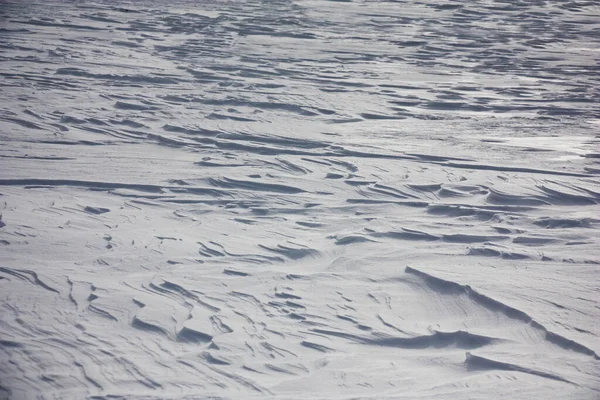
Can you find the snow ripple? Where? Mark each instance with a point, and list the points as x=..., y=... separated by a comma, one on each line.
x=220, y=200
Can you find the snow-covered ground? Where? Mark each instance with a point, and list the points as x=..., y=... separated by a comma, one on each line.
x=300, y=199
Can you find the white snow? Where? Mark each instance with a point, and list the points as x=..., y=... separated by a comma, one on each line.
x=299, y=200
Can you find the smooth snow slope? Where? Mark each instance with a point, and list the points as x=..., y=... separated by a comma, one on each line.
x=300, y=200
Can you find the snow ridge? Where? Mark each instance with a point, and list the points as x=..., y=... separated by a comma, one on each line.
x=220, y=199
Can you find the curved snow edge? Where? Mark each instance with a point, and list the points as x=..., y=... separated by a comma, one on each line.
x=507, y=310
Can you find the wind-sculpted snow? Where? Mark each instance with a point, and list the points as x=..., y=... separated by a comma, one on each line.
x=299, y=199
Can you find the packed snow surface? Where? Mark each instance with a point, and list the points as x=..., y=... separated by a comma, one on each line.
x=300, y=199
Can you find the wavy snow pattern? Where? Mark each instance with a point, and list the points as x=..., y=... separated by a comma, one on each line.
x=219, y=199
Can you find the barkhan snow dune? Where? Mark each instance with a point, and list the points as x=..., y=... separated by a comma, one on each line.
x=300, y=199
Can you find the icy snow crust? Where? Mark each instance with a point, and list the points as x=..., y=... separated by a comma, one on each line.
x=300, y=199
